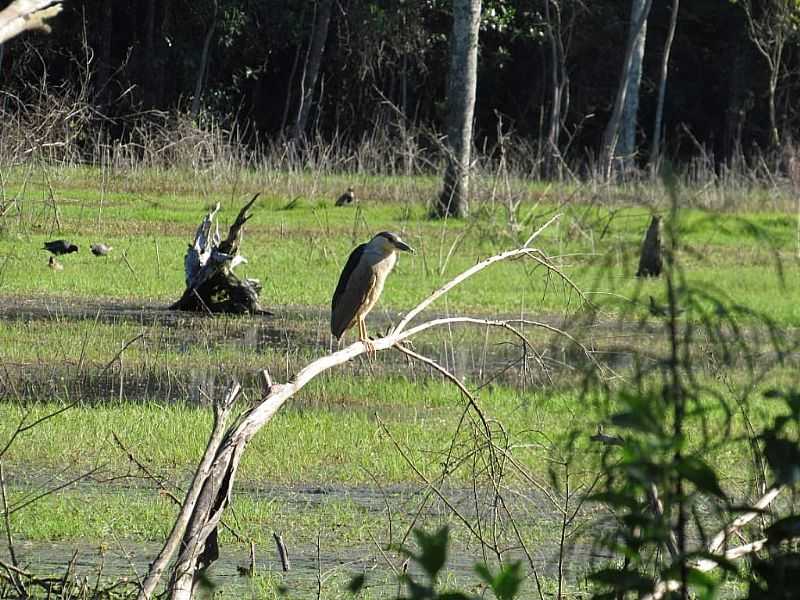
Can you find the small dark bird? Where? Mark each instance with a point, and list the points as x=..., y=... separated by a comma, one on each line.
x=101, y=249
x=650, y=257
x=361, y=282
x=54, y=264
x=347, y=198
x=660, y=310
x=59, y=247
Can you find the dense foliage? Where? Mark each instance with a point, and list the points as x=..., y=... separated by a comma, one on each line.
x=145, y=54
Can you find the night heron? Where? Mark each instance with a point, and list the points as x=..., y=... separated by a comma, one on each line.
x=59, y=247
x=347, y=198
x=101, y=249
x=361, y=282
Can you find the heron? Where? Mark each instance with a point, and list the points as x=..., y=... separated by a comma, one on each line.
x=347, y=198
x=59, y=247
x=361, y=282
x=101, y=249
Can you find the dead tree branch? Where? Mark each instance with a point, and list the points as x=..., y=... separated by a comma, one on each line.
x=23, y=15
x=211, y=490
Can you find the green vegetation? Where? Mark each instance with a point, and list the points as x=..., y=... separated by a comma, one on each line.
x=63, y=334
x=299, y=252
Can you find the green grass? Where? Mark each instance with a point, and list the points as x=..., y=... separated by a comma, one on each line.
x=330, y=434
x=298, y=253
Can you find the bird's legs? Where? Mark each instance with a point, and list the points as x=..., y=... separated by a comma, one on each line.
x=364, y=338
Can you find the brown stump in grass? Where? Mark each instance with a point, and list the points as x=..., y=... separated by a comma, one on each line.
x=650, y=258
x=211, y=284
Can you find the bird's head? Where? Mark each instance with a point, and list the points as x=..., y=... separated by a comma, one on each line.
x=388, y=242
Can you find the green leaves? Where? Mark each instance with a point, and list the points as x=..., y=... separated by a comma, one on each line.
x=433, y=551
x=431, y=558
x=506, y=583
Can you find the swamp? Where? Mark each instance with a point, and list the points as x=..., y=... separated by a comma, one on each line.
x=107, y=394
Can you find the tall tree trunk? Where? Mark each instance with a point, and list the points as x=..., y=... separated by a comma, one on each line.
x=655, y=152
x=612, y=131
x=319, y=35
x=552, y=158
x=461, y=83
x=626, y=147
x=201, y=72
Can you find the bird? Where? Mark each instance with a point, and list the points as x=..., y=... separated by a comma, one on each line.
x=660, y=310
x=101, y=249
x=361, y=282
x=54, y=264
x=650, y=263
x=59, y=247
x=347, y=198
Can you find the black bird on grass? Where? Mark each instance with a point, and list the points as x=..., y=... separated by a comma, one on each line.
x=101, y=249
x=59, y=247
x=347, y=198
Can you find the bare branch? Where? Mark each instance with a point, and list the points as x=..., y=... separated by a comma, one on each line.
x=178, y=529
x=22, y=15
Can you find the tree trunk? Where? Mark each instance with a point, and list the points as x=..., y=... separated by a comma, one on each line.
x=612, y=131
x=552, y=158
x=461, y=84
x=319, y=35
x=655, y=153
x=626, y=147
x=201, y=72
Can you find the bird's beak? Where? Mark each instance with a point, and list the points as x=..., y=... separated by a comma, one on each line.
x=404, y=247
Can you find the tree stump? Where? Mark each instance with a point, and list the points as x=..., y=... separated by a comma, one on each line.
x=211, y=284
x=650, y=258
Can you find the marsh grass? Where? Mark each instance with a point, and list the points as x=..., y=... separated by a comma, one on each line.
x=298, y=252
x=331, y=434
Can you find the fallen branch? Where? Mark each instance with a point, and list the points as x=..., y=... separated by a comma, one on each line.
x=662, y=588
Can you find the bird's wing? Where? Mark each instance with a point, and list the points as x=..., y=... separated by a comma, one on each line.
x=347, y=298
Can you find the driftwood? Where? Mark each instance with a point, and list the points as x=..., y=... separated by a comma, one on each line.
x=650, y=258
x=210, y=492
x=22, y=15
x=211, y=284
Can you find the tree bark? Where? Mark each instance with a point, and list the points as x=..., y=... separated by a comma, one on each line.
x=461, y=85
x=612, y=131
x=202, y=70
x=308, y=81
x=655, y=152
